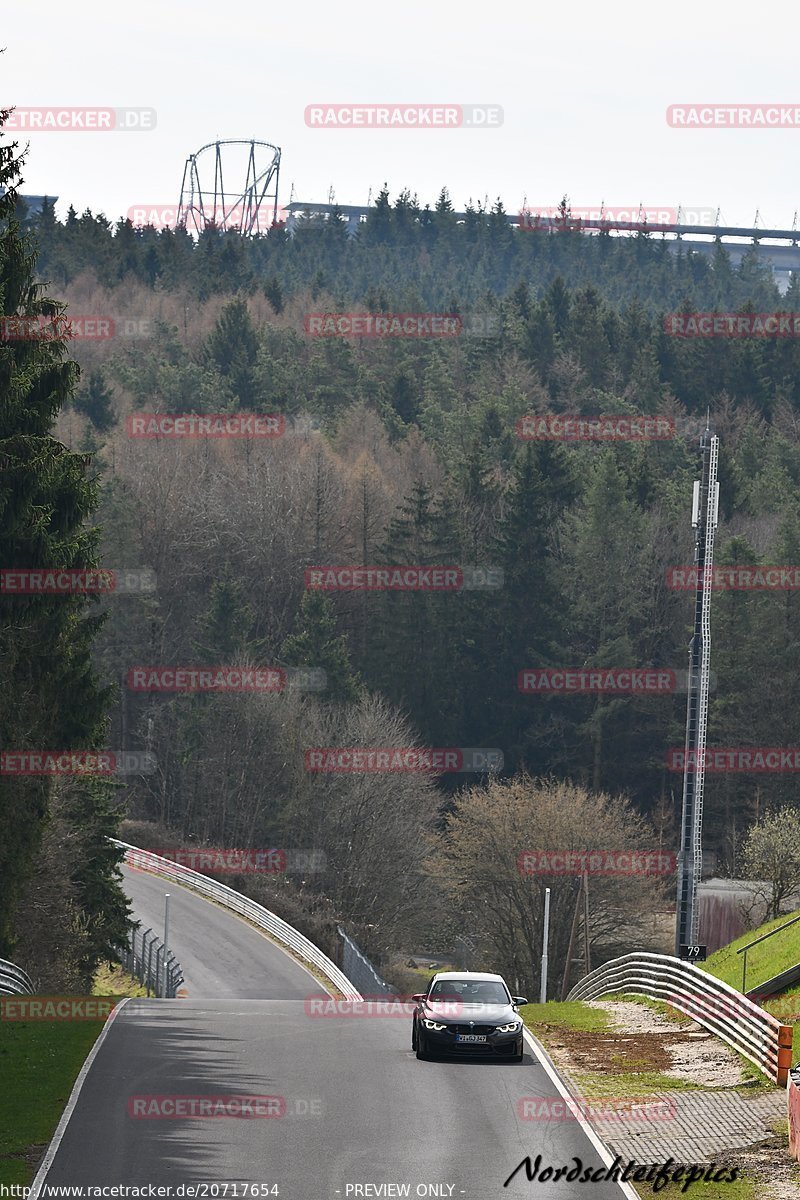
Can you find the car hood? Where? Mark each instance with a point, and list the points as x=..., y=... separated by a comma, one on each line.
x=462, y=1014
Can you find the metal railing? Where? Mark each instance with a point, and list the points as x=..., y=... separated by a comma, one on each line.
x=143, y=957
x=764, y=937
x=358, y=968
x=722, y=1010
x=13, y=980
x=261, y=917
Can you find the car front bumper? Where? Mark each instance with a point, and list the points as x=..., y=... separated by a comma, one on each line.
x=444, y=1041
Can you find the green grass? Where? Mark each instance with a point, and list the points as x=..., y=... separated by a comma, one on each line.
x=572, y=1014
x=766, y=959
x=39, y=1062
x=740, y=1189
x=596, y=1085
x=113, y=980
x=763, y=961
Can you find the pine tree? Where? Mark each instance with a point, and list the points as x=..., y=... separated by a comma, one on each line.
x=224, y=633
x=316, y=644
x=95, y=402
x=233, y=347
x=51, y=697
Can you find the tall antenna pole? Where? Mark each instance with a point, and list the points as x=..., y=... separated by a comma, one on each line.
x=705, y=511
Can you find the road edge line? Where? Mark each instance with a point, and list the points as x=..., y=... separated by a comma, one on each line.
x=55, y=1141
x=591, y=1133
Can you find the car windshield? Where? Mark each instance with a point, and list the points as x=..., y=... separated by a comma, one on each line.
x=470, y=991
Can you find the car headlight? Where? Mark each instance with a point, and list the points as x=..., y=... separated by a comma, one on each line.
x=433, y=1025
x=511, y=1027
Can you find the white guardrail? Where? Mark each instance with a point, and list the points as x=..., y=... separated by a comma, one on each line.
x=13, y=980
x=756, y=1034
x=144, y=860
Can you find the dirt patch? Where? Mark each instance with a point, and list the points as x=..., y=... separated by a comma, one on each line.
x=770, y=1164
x=690, y=1053
x=611, y=1052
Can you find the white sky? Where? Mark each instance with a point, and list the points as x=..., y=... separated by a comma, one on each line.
x=584, y=88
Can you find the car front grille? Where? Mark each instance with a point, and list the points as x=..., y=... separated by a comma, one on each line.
x=472, y=1028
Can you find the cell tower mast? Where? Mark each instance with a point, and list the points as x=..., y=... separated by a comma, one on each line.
x=705, y=512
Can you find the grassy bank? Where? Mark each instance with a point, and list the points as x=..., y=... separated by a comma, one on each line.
x=39, y=1063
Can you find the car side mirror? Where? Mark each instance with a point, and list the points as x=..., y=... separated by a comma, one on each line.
x=419, y=996
x=520, y=999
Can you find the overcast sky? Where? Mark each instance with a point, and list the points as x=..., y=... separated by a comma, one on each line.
x=584, y=90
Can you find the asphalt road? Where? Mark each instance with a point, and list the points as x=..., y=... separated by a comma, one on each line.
x=357, y=1109
x=221, y=956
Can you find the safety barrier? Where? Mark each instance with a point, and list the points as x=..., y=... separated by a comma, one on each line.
x=13, y=980
x=271, y=924
x=756, y=1034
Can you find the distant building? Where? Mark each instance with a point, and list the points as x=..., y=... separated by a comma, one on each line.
x=30, y=206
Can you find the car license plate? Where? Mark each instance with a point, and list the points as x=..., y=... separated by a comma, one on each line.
x=470, y=1037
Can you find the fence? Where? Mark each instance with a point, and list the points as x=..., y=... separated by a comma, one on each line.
x=261, y=917
x=13, y=980
x=144, y=958
x=360, y=970
x=756, y=1034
